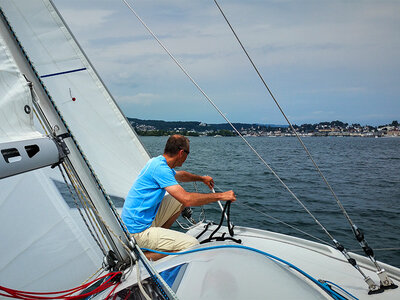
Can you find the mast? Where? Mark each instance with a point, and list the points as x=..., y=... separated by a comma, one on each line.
x=55, y=123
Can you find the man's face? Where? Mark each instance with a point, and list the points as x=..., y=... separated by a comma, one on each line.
x=183, y=154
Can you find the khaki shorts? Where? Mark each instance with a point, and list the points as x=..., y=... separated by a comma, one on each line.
x=161, y=239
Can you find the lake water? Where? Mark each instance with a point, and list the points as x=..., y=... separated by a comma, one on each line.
x=364, y=173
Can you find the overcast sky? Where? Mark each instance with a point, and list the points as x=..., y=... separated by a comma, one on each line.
x=323, y=60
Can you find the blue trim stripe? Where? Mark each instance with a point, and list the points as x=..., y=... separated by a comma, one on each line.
x=61, y=73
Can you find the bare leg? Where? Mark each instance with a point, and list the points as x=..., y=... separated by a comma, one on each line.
x=153, y=256
x=171, y=220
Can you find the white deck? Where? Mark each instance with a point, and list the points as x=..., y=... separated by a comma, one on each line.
x=318, y=260
x=232, y=273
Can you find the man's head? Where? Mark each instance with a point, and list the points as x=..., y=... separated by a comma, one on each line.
x=176, y=144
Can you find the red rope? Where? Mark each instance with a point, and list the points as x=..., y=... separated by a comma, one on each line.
x=66, y=295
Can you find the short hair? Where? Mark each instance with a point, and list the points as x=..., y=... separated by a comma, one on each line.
x=175, y=143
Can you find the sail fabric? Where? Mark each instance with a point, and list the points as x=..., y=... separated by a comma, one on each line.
x=106, y=138
x=16, y=122
x=44, y=244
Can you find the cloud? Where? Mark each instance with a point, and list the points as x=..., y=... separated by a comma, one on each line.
x=144, y=99
x=310, y=53
x=340, y=90
x=87, y=18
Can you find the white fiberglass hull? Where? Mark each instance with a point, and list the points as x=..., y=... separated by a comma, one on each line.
x=226, y=272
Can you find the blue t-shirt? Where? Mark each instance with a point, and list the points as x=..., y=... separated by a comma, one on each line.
x=145, y=196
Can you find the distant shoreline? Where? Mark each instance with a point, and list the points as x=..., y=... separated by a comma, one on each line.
x=195, y=128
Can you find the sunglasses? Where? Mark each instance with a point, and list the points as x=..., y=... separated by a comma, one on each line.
x=186, y=151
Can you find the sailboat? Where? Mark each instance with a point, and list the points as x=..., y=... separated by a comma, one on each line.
x=60, y=129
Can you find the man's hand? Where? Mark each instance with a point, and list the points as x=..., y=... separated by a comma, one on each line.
x=229, y=196
x=207, y=180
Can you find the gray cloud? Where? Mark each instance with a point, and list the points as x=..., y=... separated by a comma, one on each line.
x=311, y=53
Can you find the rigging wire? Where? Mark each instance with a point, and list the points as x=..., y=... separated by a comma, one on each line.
x=286, y=118
x=284, y=115
x=372, y=285
x=226, y=119
x=69, y=172
x=277, y=220
x=132, y=258
x=96, y=238
x=84, y=200
x=284, y=223
x=385, y=280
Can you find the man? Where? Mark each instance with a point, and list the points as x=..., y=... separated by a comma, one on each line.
x=148, y=217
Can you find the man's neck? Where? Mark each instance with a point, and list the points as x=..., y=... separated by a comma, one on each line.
x=171, y=160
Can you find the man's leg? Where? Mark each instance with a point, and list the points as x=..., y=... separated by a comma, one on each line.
x=169, y=211
x=159, y=237
x=153, y=256
x=171, y=220
x=162, y=239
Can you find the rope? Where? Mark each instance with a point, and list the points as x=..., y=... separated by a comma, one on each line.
x=226, y=213
x=141, y=288
x=99, y=270
x=66, y=294
x=342, y=289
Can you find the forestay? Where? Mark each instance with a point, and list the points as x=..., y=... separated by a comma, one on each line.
x=103, y=133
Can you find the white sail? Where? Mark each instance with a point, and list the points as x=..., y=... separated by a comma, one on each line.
x=15, y=101
x=106, y=138
x=44, y=247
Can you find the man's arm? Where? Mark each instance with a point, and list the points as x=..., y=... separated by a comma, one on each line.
x=184, y=176
x=197, y=199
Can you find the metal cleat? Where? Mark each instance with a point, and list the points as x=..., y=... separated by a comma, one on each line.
x=373, y=288
x=386, y=282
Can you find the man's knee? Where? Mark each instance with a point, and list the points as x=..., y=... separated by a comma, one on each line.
x=190, y=242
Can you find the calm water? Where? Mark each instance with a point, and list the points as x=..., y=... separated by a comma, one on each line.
x=364, y=173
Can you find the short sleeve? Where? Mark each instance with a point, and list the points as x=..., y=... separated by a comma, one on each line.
x=165, y=176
